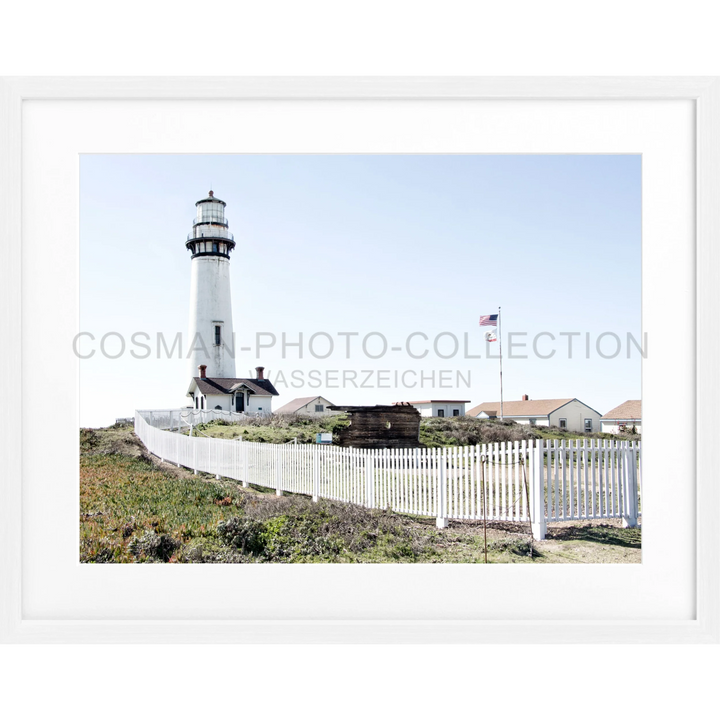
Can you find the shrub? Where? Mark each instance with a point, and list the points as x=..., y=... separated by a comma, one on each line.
x=153, y=546
x=467, y=430
x=245, y=534
x=88, y=439
x=208, y=552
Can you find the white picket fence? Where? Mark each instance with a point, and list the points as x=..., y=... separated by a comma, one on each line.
x=537, y=481
x=183, y=417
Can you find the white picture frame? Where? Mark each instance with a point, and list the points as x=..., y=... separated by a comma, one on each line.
x=283, y=627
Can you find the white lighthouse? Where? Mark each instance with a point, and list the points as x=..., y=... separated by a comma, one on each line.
x=211, y=326
x=213, y=384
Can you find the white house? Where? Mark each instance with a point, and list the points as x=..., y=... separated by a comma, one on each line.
x=439, y=408
x=623, y=417
x=567, y=413
x=315, y=405
x=232, y=394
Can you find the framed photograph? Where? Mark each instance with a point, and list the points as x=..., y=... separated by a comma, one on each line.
x=51, y=122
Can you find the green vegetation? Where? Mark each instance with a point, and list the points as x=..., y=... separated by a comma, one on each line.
x=274, y=428
x=434, y=432
x=126, y=502
x=135, y=509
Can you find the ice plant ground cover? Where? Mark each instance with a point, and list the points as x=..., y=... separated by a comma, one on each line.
x=135, y=509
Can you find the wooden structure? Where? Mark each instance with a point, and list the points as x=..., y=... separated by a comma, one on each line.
x=380, y=426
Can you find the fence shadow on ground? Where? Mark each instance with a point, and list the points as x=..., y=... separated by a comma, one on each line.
x=603, y=534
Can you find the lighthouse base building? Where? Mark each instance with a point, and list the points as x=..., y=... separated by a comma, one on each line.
x=242, y=395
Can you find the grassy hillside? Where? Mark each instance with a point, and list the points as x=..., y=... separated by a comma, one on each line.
x=275, y=428
x=135, y=509
x=434, y=432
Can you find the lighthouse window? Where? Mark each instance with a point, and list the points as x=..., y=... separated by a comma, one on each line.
x=215, y=247
x=217, y=334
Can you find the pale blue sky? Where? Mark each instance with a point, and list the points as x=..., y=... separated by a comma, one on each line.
x=361, y=243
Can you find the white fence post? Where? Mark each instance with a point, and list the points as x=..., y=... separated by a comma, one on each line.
x=246, y=463
x=316, y=473
x=278, y=469
x=217, y=445
x=537, y=491
x=442, y=519
x=369, y=480
x=630, y=490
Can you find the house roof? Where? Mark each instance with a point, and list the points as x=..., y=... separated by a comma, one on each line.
x=226, y=386
x=520, y=408
x=629, y=410
x=297, y=403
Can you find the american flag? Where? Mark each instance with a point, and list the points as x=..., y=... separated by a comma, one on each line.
x=488, y=320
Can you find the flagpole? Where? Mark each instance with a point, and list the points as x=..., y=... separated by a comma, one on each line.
x=501, y=383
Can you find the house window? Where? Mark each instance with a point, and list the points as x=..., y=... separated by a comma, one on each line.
x=318, y=408
x=563, y=423
x=441, y=413
x=202, y=402
x=196, y=402
x=456, y=413
x=588, y=424
x=218, y=407
x=217, y=334
x=533, y=421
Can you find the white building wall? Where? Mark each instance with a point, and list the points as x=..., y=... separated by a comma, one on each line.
x=613, y=426
x=255, y=403
x=224, y=401
x=540, y=421
x=211, y=401
x=425, y=409
x=259, y=404
x=575, y=413
x=210, y=305
x=309, y=409
x=431, y=409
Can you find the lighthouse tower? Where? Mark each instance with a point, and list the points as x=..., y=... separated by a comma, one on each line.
x=211, y=339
